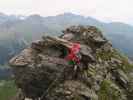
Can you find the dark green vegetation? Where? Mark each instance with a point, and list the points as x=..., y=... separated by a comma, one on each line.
x=15, y=32
x=7, y=85
x=115, y=54
x=109, y=91
x=7, y=89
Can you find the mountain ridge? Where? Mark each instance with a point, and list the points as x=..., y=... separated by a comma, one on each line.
x=25, y=29
x=94, y=69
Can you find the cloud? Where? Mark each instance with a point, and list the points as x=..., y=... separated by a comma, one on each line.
x=116, y=10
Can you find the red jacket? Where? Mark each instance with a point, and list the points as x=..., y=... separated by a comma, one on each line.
x=73, y=51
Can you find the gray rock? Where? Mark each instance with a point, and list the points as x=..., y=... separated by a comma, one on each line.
x=121, y=78
x=42, y=72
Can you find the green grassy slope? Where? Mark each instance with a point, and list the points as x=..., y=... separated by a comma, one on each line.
x=7, y=89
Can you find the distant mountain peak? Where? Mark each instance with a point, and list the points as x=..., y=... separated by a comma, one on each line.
x=35, y=17
x=69, y=14
x=2, y=14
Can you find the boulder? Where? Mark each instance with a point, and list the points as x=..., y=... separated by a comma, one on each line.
x=42, y=72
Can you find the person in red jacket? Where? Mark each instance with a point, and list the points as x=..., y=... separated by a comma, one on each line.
x=73, y=53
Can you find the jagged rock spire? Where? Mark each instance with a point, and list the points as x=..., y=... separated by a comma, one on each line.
x=41, y=72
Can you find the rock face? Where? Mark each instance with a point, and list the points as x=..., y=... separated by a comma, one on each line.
x=42, y=73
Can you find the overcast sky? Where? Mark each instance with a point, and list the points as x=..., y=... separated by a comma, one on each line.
x=106, y=10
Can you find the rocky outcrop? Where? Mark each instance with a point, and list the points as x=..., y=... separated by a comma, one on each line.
x=42, y=73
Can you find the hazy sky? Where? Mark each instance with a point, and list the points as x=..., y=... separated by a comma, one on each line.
x=107, y=10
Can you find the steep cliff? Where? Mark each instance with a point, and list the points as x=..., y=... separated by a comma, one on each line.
x=42, y=72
